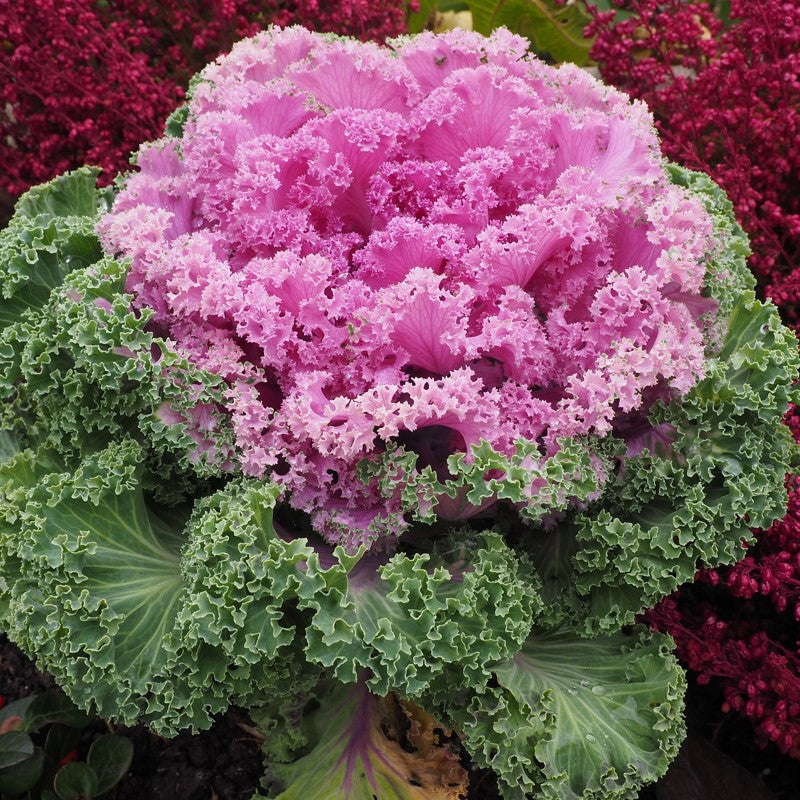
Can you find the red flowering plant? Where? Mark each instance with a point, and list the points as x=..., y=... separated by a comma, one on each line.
x=727, y=102
x=86, y=82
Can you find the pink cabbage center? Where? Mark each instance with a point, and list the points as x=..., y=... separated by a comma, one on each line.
x=433, y=244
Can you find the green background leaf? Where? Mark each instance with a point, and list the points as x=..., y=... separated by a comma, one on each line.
x=20, y=777
x=15, y=746
x=75, y=781
x=555, y=30
x=110, y=757
x=50, y=707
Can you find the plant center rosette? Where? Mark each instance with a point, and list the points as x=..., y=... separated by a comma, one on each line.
x=424, y=249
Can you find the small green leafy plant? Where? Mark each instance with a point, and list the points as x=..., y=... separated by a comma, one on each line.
x=39, y=736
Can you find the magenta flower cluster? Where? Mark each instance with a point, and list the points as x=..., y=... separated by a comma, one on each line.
x=434, y=244
x=85, y=82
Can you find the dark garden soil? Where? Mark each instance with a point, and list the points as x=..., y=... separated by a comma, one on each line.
x=6, y=207
x=718, y=761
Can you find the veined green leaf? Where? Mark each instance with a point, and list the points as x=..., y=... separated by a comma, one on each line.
x=417, y=20
x=72, y=194
x=553, y=29
x=48, y=708
x=100, y=583
x=97, y=590
x=357, y=752
x=50, y=235
x=110, y=757
x=578, y=718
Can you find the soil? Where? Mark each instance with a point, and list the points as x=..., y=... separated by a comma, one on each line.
x=6, y=207
x=718, y=762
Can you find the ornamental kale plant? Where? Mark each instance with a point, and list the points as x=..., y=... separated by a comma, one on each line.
x=382, y=396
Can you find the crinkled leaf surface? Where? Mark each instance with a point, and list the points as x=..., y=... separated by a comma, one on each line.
x=577, y=718
x=720, y=472
x=99, y=576
x=538, y=486
x=75, y=360
x=97, y=590
x=168, y=617
x=51, y=233
x=415, y=619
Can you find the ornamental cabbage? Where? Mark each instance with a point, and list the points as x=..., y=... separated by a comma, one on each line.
x=389, y=388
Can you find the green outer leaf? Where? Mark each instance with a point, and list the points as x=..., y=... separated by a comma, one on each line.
x=75, y=360
x=98, y=578
x=577, y=718
x=36, y=255
x=75, y=781
x=176, y=121
x=110, y=757
x=72, y=194
x=15, y=747
x=50, y=234
x=414, y=620
x=553, y=29
x=88, y=370
x=239, y=626
x=98, y=592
